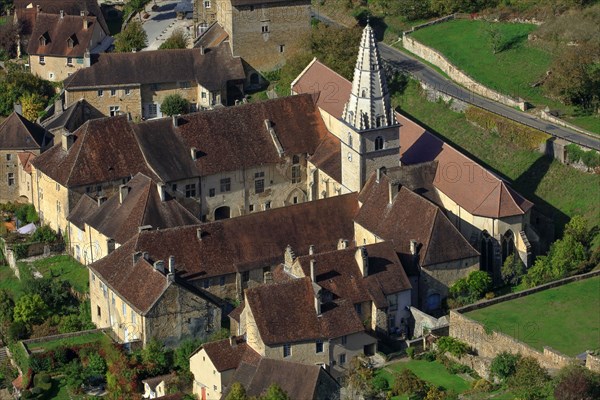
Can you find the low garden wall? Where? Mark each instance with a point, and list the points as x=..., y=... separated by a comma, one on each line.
x=437, y=59
x=592, y=362
x=549, y=117
x=51, y=338
x=488, y=343
x=16, y=251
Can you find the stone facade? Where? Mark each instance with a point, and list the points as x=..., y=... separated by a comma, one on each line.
x=118, y=99
x=9, y=179
x=205, y=14
x=265, y=35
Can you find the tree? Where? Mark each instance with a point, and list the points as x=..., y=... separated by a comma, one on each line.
x=275, y=392
x=174, y=104
x=30, y=309
x=32, y=105
x=414, y=9
x=578, y=229
x=17, y=83
x=530, y=380
x=435, y=393
x=17, y=331
x=479, y=282
x=155, y=358
x=183, y=353
x=359, y=377
x=576, y=382
x=178, y=40
x=406, y=382
x=494, y=36
x=504, y=365
x=8, y=40
x=6, y=307
x=96, y=365
x=237, y=392
x=512, y=270
x=133, y=37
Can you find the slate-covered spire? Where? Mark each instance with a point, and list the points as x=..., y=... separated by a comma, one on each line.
x=369, y=103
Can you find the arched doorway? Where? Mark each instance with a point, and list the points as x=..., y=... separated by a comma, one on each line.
x=222, y=213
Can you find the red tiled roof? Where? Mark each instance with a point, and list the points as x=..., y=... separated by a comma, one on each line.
x=333, y=89
x=225, y=357
x=57, y=30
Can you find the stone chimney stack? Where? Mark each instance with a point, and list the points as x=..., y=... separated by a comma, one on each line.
x=162, y=191
x=413, y=247
x=144, y=228
x=362, y=259
x=176, y=120
x=289, y=256
x=87, y=59
x=123, y=192
x=171, y=264
x=313, y=274
x=194, y=153
x=232, y=342
x=199, y=234
x=159, y=266
x=67, y=140
x=378, y=178
x=62, y=14
x=311, y=249
x=202, y=50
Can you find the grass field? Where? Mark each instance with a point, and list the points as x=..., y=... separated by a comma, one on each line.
x=64, y=267
x=565, y=318
x=512, y=71
x=77, y=340
x=432, y=372
x=559, y=191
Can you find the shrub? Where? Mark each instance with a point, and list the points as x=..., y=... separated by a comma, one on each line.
x=406, y=382
x=451, y=345
x=504, y=365
x=96, y=365
x=174, y=104
x=482, y=386
x=512, y=270
x=530, y=380
x=177, y=40
x=380, y=384
x=411, y=352
x=576, y=382
x=30, y=309
x=589, y=158
x=44, y=234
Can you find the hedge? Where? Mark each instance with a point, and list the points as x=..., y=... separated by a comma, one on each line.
x=521, y=135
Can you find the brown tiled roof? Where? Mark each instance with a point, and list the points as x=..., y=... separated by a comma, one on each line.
x=85, y=207
x=224, y=356
x=57, y=31
x=26, y=10
x=333, y=89
x=328, y=157
x=25, y=158
x=411, y=217
x=285, y=313
x=300, y=381
x=141, y=206
x=237, y=312
x=105, y=150
x=247, y=242
x=211, y=70
x=156, y=380
x=470, y=185
x=337, y=272
x=212, y=37
x=72, y=117
x=16, y=132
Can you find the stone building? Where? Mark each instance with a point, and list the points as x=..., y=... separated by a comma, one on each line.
x=62, y=44
x=264, y=33
x=20, y=141
x=136, y=84
x=290, y=321
x=142, y=300
x=98, y=226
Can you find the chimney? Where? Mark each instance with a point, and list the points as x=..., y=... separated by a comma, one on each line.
x=199, y=234
x=342, y=244
x=362, y=259
x=144, y=228
x=159, y=266
x=87, y=59
x=123, y=192
x=171, y=264
x=393, y=189
x=38, y=8
x=67, y=140
x=313, y=276
x=58, y=106
x=311, y=249
x=194, y=153
x=100, y=200
x=162, y=190
x=176, y=120
x=136, y=256
x=202, y=50
x=318, y=303
x=62, y=14
x=232, y=342
x=413, y=247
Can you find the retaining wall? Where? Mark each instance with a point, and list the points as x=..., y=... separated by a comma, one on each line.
x=549, y=117
x=437, y=59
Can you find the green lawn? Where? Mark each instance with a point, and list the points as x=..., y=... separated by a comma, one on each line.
x=9, y=282
x=559, y=191
x=77, y=340
x=565, y=318
x=512, y=71
x=432, y=372
x=67, y=268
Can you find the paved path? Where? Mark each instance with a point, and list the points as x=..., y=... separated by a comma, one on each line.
x=162, y=23
x=424, y=73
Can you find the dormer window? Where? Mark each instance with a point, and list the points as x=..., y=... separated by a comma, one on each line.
x=71, y=41
x=44, y=39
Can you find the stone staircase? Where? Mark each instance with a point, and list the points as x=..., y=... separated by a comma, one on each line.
x=3, y=356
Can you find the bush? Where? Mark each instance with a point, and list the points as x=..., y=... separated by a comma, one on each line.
x=512, y=270
x=482, y=386
x=177, y=40
x=406, y=382
x=471, y=288
x=17, y=331
x=453, y=346
x=410, y=352
x=589, y=158
x=380, y=384
x=577, y=383
x=504, y=365
x=44, y=234
x=530, y=380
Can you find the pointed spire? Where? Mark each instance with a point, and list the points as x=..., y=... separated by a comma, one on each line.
x=369, y=103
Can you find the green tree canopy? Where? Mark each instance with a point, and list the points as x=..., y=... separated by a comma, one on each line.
x=178, y=40
x=133, y=37
x=237, y=392
x=30, y=309
x=275, y=392
x=174, y=104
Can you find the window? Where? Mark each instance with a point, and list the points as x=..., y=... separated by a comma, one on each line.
x=174, y=187
x=245, y=276
x=58, y=207
x=8, y=157
x=265, y=29
x=57, y=187
x=100, y=93
x=114, y=110
x=127, y=92
x=259, y=184
x=152, y=110
x=378, y=143
x=70, y=61
x=154, y=86
x=215, y=388
x=98, y=311
x=50, y=75
x=296, y=178
x=113, y=92
x=113, y=301
x=93, y=277
x=203, y=94
x=268, y=205
x=70, y=43
x=222, y=281
x=319, y=346
x=358, y=309
x=184, y=84
x=42, y=60
x=342, y=359
x=281, y=48
x=350, y=139
x=124, y=309
x=207, y=4
x=225, y=185
x=190, y=190
x=211, y=192
x=251, y=207
x=295, y=200
x=287, y=350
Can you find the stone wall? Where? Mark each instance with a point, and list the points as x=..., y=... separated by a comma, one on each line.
x=592, y=362
x=437, y=59
x=433, y=95
x=555, y=120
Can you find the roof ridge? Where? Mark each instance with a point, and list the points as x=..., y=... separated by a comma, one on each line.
x=487, y=196
x=505, y=188
x=84, y=136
